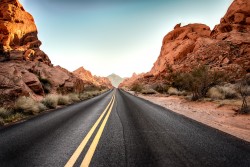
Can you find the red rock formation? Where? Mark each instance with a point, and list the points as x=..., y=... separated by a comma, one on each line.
x=103, y=82
x=129, y=81
x=87, y=77
x=24, y=68
x=18, y=34
x=226, y=48
x=178, y=43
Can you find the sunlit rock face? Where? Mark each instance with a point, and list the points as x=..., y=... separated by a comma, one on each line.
x=18, y=34
x=25, y=70
x=178, y=43
x=225, y=48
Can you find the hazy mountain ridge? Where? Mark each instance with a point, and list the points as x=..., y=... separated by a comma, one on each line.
x=115, y=79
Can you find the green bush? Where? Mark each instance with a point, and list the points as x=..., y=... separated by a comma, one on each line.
x=198, y=81
x=50, y=101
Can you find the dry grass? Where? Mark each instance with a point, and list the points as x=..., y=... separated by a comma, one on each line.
x=50, y=101
x=4, y=113
x=63, y=100
x=174, y=91
x=148, y=91
x=74, y=97
x=227, y=91
x=215, y=93
x=14, y=117
x=27, y=105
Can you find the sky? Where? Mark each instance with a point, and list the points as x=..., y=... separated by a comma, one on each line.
x=114, y=36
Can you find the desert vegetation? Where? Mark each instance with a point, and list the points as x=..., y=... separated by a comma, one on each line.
x=202, y=83
x=24, y=107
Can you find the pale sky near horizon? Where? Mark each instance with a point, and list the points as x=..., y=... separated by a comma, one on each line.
x=114, y=36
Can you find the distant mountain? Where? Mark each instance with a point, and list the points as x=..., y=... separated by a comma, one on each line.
x=115, y=79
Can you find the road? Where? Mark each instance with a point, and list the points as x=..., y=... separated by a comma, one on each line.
x=118, y=129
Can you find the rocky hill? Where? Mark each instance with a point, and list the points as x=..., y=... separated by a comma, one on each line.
x=25, y=70
x=115, y=79
x=127, y=82
x=225, y=48
x=94, y=81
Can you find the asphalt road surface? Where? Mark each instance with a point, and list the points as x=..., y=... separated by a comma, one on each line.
x=118, y=129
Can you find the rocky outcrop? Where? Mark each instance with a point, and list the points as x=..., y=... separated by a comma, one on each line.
x=103, y=82
x=178, y=43
x=25, y=70
x=225, y=48
x=18, y=34
x=35, y=80
x=128, y=82
x=92, y=81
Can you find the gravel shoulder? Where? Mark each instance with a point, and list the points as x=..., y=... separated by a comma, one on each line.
x=219, y=115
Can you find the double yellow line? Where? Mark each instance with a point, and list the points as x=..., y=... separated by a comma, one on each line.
x=87, y=159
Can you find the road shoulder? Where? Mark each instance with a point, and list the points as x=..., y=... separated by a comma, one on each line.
x=219, y=117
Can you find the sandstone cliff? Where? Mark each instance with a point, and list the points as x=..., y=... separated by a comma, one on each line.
x=225, y=48
x=18, y=34
x=24, y=68
x=93, y=81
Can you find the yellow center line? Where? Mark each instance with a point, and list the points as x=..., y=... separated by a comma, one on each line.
x=78, y=151
x=91, y=151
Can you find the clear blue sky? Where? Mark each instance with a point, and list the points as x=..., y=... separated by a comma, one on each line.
x=114, y=36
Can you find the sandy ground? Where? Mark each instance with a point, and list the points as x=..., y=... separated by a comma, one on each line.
x=213, y=114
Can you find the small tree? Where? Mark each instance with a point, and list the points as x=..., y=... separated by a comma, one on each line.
x=244, y=91
x=198, y=81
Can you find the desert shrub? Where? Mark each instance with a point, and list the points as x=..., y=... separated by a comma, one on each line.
x=74, y=97
x=50, y=101
x=161, y=88
x=137, y=87
x=84, y=96
x=41, y=107
x=198, y=81
x=46, y=84
x=228, y=91
x=244, y=91
x=14, y=117
x=63, y=100
x=148, y=91
x=26, y=105
x=173, y=91
x=215, y=93
x=4, y=113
